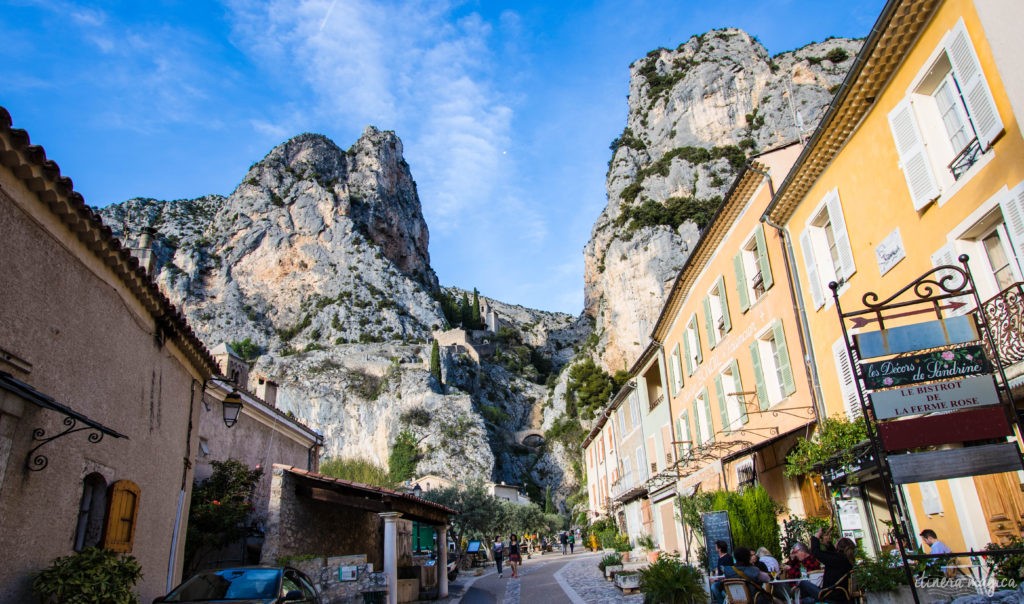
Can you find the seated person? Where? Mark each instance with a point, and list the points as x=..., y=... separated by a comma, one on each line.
x=765, y=558
x=748, y=572
x=838, y=564
x=799, y=557
x=724, y=561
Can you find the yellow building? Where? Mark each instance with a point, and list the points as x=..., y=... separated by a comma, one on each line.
x=918, y=160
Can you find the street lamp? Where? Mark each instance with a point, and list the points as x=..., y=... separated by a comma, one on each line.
x=232, y=407
x=417, y=490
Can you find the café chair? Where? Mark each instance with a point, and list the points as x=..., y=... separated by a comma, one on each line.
x=742, y=591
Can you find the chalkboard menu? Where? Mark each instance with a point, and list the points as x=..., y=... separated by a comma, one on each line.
x=716, y=528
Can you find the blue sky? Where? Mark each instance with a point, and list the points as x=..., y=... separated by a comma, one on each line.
x=506, y=109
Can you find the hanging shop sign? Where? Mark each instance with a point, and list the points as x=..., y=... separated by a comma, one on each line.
x=954, y=463
x=938, y=365
x=954, y=395
x=944, y=428
x=919, y=336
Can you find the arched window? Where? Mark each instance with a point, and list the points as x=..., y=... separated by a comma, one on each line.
x=91, y=511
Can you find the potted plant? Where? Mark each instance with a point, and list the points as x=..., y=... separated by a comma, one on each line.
x=881, y=579
x=669, y=581
x=646, y=543
x=610, y=564
x=627, y=581
x=92, y=576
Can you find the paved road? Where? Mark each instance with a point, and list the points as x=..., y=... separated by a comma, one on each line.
x=551, y=578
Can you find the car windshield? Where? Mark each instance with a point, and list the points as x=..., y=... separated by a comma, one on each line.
x=229, y=584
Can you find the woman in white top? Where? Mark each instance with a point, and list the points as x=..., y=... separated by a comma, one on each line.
x=765, y=557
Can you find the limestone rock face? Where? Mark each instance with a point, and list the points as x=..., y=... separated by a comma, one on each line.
x=320, y=259
x=695, y=114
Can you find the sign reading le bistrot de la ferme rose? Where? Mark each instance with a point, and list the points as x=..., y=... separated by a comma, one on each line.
x=933, y=398
x=940, y=365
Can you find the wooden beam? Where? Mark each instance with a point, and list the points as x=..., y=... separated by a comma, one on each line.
x=954, y=463
x=946, y=428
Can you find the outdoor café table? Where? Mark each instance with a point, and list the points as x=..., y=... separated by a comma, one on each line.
x=785, y=587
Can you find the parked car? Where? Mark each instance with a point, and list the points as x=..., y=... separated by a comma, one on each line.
x=246, y=585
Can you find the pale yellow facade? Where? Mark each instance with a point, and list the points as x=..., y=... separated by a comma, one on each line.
x=874, y=203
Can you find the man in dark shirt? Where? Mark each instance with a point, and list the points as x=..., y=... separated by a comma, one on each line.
x=724, y=561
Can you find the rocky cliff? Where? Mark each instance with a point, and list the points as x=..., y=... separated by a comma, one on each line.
x=319, y=262
x=695, y=114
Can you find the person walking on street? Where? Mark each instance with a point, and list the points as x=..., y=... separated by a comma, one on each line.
x=572, y=542
x=564, y=538
x=944, y=565
x=499, y=553
x=514, y=557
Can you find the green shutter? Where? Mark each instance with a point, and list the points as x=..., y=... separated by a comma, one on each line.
x=741, y=282
x=762, y=258
x=727, y=321
x=723, y=411
x=709, y=326
x=788, y=383
x=707, y=413
x=762, y=392
x=696, y=338
x=686, y=353
x=698, y=438
x=738, y=384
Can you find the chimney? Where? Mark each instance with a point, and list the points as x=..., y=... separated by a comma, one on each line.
x=144, y=252
x=266, y=389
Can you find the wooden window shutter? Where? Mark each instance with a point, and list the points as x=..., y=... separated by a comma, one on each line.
x=976, y=93
x=913, y=155
x=741, y=282
x=707, y=413
x=687, y=353
x=762, y=258
x=737, y=384
x=840, y=234
x=785, y=368
x=122, y=516
x=726, y=320
x=698, y=353
x=762, y=391
x=847, y=380
x=813, y=281
x=723, y=411
x=709, y=323
x=1013, y=215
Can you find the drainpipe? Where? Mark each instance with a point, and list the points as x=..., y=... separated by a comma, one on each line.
x=176, y=534
x=806, y=346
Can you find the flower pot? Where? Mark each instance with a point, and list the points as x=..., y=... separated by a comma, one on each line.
x=610, y=570
x=652, y=556
x=627, y=581
x=625, y=556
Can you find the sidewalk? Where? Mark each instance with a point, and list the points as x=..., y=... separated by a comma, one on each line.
x=583, y=581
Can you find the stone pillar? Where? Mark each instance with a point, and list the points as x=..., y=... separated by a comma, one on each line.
x=391, y=553
x=442, y=561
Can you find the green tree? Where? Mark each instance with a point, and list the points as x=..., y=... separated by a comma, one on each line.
x=479, y=512
x=466, y=313
x=403, y=458
x=549, y=504
x=477, y=322
x=219, y=512
x=247, y=349
x=356, y=470
x=435, y=363
x=589, y=386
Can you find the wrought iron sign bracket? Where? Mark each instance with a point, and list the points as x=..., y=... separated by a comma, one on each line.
x=36, y=463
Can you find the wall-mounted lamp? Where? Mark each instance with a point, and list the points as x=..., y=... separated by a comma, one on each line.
x=232, y=407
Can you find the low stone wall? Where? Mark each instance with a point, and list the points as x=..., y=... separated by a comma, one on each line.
x=325, y=572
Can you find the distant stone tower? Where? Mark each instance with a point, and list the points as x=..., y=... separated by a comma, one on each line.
x=232, y=365
x=144, y=252
x=489, y=316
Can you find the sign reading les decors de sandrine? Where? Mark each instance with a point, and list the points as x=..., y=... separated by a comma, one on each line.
x=941, y=365
x=969, y=392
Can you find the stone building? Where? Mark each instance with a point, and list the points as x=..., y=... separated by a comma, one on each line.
x=100, y=386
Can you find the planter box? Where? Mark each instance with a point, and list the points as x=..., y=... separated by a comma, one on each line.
x=903, y=594
x=610, y=570
x=408, y=590
x=627, y=582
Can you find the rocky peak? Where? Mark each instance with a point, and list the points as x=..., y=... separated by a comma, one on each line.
x=695, y=114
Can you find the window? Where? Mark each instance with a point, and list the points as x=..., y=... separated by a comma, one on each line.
x=773, y=374
x=826, y=248
x=634, y=408
x=621, y=412
x=745, y=474
x=91, y=510
x=702, y=412
x=731, y=400
x=675, y=368
x=123, y=511
x=947, y=122
x=691, y=345
x=641, y=464
x=716, y=314
x=753, y=271
x=685, y=444
x=627, y=472
x=994, y=241
x=847, y=380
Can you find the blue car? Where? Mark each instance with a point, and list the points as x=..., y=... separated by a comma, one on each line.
x=246, y=585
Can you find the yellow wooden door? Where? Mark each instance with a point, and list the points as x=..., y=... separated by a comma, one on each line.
x=1003, y=504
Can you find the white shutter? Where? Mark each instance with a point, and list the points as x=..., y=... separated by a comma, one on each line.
x=817, y=293
x=847, y=383
x=913, y=156
x=846, y=266
x=947, y=255
x=977, y=95
x=1013, y=216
